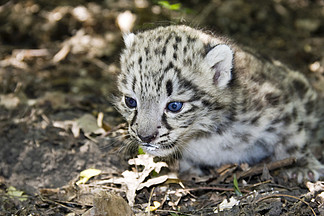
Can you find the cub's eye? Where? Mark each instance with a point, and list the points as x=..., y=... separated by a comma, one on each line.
x=174, y=106
x=130, y=102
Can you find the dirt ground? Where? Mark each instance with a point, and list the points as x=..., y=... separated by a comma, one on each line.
x=58, y=61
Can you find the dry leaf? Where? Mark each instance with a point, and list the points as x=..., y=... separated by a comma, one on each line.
x=85, y=175
x=88, y=123
x=9, y=101
x=110, y=204
x=227, y=204
x=135, y=181
x=153, y=208
x=315, y=187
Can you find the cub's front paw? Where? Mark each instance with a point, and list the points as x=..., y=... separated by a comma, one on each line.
x=306, y=169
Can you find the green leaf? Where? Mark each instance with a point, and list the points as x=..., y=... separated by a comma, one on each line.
x=140, y=151
x=236, y=187
x=169, y=6
x=14, y=193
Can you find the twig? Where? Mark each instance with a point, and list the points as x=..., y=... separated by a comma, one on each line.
x=214, y=188
x=271, y=166
x=149, y=201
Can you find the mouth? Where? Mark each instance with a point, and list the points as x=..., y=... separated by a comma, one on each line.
x=150, y=148
x=158, y=149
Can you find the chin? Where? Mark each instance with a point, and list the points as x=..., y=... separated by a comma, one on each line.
x=157, y=150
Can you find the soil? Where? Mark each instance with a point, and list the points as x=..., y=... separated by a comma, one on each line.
x=58, y=62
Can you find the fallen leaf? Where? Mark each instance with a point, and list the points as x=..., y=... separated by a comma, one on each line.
x=85, y=175
x=14, y=193
x=147, y=161
x=135, y=181
x=227, y=204
x=316, y=190
x=315, y=187
x=88, y=123
x=105, y=203
x=9, y=101
x=153, y=208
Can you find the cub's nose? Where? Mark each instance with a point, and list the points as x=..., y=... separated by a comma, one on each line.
x=149, y=138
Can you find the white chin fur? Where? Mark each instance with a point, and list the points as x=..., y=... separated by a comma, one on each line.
x=156, y=150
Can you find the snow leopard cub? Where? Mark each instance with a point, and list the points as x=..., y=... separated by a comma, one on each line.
x=187, y=93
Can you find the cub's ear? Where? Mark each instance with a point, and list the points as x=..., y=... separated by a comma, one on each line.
x=129, y=39
x=220, y=60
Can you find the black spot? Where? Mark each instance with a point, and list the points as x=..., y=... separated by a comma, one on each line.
x=276, y=121
x=165, y=122
x=255, y=120
x=146, y=51
x=206, y=103
x=163, y=135
x=134, y=118
x=219, y=131
x=187, y=62
x=158, y=39
x=272, y=98
x=301, y=126
x=300, y=87
x=294, y=113
x=217, y=106
x=169, y=87
x=175, y=56
x=257, y=105
x=177, y=71
x=169, y=37
x=164, y=51
x=178, y=39
x=287, y=119
x=133, y=84
x=310, y=106
x=170, y=66
x=292, y=149
x=191, y=40
x=231, y=117
x=140, y=60
x=185, y=49
x=175, y=47
x=271, y=129
x=186, y=84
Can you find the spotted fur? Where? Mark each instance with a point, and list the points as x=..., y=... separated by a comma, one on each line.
x=236, y=107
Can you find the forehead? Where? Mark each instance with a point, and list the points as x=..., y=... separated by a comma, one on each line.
x=152, y=58
x=151, y=52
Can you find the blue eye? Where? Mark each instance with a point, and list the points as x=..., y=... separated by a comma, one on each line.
x=130, y=102
x=174, y=106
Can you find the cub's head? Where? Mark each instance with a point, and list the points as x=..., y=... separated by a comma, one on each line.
x=173, y=84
